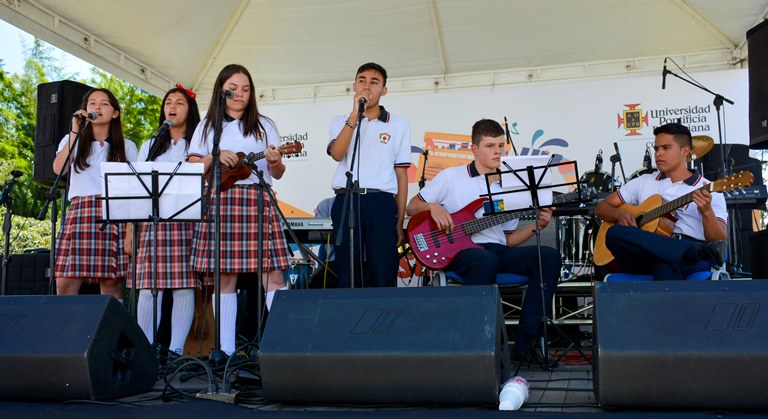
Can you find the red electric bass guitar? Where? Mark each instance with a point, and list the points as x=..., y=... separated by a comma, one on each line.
x=436, y=249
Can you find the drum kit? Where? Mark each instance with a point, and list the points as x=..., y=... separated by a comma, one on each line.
x=576, y=233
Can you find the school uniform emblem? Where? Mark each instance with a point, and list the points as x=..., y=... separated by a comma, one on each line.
x=384, y=137
x=633, y=119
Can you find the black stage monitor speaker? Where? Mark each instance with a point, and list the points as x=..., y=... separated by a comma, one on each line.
x=757, y=40
x=686, y=344
x=71, y=347
x=56, y=102
x=385, y=346
x=26, y=274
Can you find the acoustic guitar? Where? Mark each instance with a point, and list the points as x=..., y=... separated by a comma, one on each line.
x=436, y=249
x=244, y=168
x=656, y=216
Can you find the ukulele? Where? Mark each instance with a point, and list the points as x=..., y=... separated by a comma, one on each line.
x=243, y=168
x=654, y=216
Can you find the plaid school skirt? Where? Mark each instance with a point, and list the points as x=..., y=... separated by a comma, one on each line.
x=239, y=235
x=174, y=247
x=85, y=251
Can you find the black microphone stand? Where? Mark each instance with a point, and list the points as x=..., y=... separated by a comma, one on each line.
x=51, y=199
x=7, y=230
x=217, y=357
x=509, y=136
x=616, y=158
x=718, y=102
x=262, y=186
x=423, y=178
x=351, y=190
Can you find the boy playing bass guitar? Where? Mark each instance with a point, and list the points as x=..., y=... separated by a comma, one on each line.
x=499, y=249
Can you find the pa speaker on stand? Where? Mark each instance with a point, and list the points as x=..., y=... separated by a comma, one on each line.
x=56, y=102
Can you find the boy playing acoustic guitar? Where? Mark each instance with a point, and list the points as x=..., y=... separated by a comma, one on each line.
x=698, y=236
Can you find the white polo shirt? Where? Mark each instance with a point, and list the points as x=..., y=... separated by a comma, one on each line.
x=232, y=139
x=455, y=187
x=175, y=152
x=89, y=181
x=385, y=143
x=689, y=218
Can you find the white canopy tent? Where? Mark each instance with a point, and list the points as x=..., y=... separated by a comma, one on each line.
x=302, y=50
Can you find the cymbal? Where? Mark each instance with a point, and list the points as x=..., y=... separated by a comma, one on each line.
x=702, y=144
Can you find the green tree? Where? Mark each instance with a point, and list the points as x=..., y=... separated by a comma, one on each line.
x=18, y=112
x=17, y=116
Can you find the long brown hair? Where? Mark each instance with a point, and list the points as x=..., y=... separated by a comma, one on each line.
x=116, y=139
x=250, y=123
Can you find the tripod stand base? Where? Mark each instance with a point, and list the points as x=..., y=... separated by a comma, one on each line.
x=218, y=358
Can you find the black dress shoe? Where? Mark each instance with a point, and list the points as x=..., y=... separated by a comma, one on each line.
x=172, y=356
x=714, y=250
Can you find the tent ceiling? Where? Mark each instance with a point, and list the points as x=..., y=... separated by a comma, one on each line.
x=303, y=49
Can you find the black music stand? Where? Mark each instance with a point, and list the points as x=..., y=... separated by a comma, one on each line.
x=157, y=192
x=528, y=176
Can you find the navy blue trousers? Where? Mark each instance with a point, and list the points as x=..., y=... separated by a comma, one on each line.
x=480, y=266
x=641, y=252
x=375, y=239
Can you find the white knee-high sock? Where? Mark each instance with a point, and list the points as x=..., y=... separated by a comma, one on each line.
x=271, y=296
x=228, y=321
x=181, y=318
x=144, y=311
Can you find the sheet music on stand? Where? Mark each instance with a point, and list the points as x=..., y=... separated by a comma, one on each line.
x=127, y=191
x=516, y=189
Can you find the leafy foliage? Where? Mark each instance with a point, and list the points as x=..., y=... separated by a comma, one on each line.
x=18, y=112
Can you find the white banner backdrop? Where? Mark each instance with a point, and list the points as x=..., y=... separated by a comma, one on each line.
x=574, y=119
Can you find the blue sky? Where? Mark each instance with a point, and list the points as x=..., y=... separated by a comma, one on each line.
x=13, y=57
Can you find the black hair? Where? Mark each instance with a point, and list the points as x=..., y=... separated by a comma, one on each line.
x=375, y=67
x=679, y=132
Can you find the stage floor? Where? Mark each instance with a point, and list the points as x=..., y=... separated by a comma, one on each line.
x=565, y=390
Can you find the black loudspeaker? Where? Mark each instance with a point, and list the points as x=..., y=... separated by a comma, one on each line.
x=26, y=274
x=757, y=40
x=56, y=102
x=687, y=344
x=385, y=345
x=758, y=245
x=71, y=347
x=736, y=160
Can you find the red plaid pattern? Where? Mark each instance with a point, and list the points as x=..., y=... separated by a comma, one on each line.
x=174, y=247
x=239, y=235
x=83, y=251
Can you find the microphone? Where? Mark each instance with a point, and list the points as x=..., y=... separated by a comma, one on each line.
x=618, y=155
x=647, y=159
x=599, y=162
x=664, y=76
x=227, y=93
x=361, y=105
x=167, y=124
x=8, y=185
x=91, y=115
